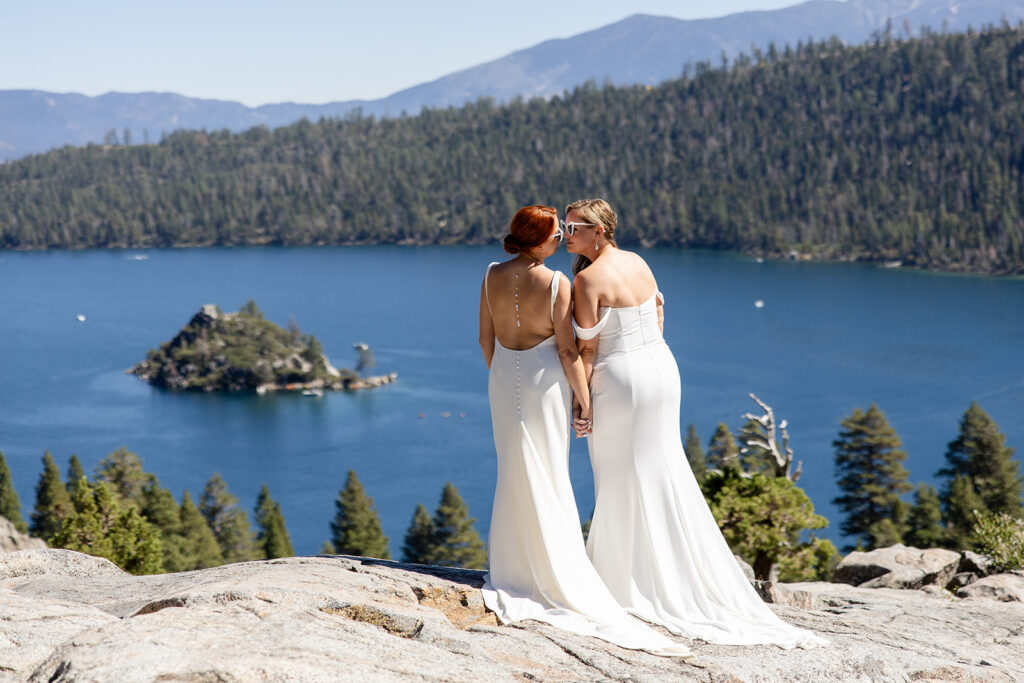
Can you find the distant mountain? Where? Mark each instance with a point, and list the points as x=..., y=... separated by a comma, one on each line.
x=639, y=49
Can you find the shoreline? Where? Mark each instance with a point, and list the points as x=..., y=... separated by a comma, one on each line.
x=894, y=262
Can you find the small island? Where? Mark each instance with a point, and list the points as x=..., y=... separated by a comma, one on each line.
x=243, y=351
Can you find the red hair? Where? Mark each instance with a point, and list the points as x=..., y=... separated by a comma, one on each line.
x=530, y=227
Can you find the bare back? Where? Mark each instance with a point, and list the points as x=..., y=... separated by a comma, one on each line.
x=619, y=279
x=510, y=284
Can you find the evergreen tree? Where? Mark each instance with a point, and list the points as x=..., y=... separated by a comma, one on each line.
x=722, y=449
x=979, y=456
x=97, y=525
x=695, y=454
x=356, y=528
x=924, y=522
x=75, y=472
x=229, y=523
x=458, y=543
x=199, y=543
x=10, y=504
x=158, y=506
x=52, y=501
x=760, y=516
x=328, y=548
x=815, y=560
x=271, y=537
x=122, y=469
x=420, y=544
x=869, y=464
x=963, y=503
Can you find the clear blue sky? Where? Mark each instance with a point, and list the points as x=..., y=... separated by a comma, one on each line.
x=309, y=51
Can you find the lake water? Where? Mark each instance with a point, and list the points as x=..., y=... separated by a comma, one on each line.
x=830, y=337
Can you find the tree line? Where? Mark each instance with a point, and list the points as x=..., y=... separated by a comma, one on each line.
x=900, y=149
x=764, y=515
x=124, y=513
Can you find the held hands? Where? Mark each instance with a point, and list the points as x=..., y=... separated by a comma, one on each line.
x=582, y=420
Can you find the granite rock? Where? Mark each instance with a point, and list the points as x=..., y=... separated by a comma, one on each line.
x=898, y=566
x=1007, y=587
x=330, y=618
x=972, y=562
x=12, y=540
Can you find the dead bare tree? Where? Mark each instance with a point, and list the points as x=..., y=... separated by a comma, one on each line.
x=782, y=456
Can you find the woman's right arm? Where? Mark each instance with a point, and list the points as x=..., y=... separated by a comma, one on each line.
x=585, y=309
x=486, y=327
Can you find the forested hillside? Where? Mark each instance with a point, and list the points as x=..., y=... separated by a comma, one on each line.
x=909, y=150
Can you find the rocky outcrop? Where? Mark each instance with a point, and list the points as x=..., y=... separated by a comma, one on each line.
x=330, y=618
x=1008, y=587
x=898, y=566
x=12, y=540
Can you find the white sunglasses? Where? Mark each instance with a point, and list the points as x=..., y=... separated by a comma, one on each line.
x=570, y=228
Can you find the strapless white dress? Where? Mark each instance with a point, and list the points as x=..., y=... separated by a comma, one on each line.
x=538, y=564
x=653, y=539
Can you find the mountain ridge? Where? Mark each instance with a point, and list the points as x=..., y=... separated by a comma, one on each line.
x=639, y=49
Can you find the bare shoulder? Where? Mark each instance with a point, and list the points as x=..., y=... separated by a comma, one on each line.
x=636, y=265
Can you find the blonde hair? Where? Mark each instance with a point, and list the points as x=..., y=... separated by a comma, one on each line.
x=596, y=211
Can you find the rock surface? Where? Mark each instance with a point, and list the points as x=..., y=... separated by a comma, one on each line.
x=12, y=540
x=330, y=618
x=1007, y=587
x=898, y=566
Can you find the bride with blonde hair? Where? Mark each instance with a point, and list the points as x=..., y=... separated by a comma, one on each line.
x=653, y=539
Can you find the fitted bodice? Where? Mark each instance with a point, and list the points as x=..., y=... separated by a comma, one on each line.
x=625, y=329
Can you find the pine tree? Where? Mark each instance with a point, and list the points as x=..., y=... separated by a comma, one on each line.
x=10, y=504
x=52, y=501
x=420, y=544
x=271, y=537
x=356, y=528
x=202, y=549
x=97, y=525
x=722, y=449
x=869, y=464
x=924, y=522
x=695, y=454
x=75, y=472
x=989, y=477
x=458, y=543
x=158, y=506
x=962, y=503
x=761, y=517
x=229, y=523
x=122, y=469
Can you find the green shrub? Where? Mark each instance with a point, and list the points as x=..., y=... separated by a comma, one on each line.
x=1001, y=537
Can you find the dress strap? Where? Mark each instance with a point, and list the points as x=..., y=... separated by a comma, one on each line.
x=554, y=292
x=661, y=297
x=586, y=333
x=487, y=293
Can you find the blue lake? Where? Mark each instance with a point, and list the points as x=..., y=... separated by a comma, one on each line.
x=830, y=338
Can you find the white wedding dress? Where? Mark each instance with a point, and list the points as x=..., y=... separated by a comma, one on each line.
x=538, y=564
x=653, y=539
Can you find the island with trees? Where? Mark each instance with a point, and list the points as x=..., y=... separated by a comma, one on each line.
x=243, y=351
